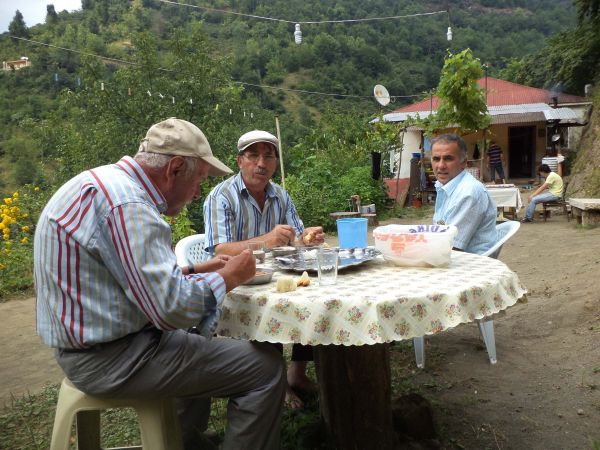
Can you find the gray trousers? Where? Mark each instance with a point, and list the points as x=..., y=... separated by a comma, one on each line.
x=192, y=369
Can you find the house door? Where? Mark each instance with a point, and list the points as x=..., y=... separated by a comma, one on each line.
x=521, y=152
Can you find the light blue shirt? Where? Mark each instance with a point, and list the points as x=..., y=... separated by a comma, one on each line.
x=231, y=214
x=465, y=203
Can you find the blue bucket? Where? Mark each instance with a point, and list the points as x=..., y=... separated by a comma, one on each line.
x=352, y=233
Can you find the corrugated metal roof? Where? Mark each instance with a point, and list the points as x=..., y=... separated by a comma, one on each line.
x=503, y=114
x=500, y=92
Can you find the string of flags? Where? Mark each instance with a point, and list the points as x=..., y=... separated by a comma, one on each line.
x=161, y=96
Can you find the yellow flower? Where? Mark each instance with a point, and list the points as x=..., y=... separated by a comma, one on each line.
x=36, y=188
x=8, y=200
x=15, y=195
x=25, y=229
x=25, y=240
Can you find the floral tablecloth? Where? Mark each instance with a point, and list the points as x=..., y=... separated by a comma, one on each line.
x=373, y=303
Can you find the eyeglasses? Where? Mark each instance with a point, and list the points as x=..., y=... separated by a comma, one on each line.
x=254, y=157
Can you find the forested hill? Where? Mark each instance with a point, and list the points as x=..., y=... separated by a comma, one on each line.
x=346, y=58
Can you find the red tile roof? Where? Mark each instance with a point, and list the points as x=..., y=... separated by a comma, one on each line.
x=500, y=93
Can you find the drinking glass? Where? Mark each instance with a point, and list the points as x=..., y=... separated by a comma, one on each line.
x=327, y=266
x=258, y=250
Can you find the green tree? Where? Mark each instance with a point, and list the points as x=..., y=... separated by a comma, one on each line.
x=51, y=16
x=462, y=101
x=17, y=26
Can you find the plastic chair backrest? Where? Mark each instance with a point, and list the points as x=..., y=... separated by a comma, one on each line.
x=189, y=250
x=505, y=231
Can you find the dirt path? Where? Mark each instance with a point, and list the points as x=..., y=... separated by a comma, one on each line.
x=26, y=364
x=544, y=392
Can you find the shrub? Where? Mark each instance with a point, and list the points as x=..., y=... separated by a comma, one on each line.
x=18, y=213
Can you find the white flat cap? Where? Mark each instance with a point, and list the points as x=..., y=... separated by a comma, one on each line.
x=255, y=136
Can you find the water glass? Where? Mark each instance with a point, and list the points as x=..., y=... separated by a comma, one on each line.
x=327, y=265
x=258, y=250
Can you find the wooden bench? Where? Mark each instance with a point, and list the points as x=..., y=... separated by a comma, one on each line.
x=586, y=210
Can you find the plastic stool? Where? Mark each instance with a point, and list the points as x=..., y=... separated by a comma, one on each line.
x=159, y=425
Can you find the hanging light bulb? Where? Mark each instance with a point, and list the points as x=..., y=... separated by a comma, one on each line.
x=449, y=34
x=298, y=34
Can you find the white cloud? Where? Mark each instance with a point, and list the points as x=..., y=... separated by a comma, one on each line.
x=34, y=11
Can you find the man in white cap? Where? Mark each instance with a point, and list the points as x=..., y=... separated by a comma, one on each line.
x=113, y=302
x=250, y=207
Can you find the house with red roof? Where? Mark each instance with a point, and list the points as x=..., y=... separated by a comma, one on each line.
x=524, y=119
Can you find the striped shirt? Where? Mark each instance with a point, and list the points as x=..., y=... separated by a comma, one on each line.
x=231, y=214
x=465, y=203
x=104, y=264
x=495, y=155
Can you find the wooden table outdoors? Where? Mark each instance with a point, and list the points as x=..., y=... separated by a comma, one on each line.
x=351, y=324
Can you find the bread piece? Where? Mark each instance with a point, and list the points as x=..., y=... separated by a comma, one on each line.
x=304, y=280
x=285, y=284
x=309, y=237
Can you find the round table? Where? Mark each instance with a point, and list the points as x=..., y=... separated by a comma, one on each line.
x=350, y=324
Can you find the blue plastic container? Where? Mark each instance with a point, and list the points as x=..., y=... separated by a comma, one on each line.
x=352, y=233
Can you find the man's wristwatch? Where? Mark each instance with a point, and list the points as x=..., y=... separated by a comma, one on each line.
x=191, y=269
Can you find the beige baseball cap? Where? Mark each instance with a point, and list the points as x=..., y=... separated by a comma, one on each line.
x=255, y=136
x=182, y=138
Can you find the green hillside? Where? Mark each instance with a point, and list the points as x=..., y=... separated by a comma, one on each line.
x=405, y=54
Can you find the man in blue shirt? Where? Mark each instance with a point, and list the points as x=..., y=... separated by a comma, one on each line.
x=461, y=199
x=249, y=207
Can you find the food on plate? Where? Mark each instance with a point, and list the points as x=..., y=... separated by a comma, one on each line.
x=304, y=279
x=309, y=255
x=309, y=237
x=286, y=284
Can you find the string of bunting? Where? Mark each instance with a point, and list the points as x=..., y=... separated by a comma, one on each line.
x=262, y=86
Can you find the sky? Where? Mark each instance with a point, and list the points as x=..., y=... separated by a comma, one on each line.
x=34, y=11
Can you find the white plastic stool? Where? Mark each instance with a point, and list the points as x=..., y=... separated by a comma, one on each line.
x=159, y=425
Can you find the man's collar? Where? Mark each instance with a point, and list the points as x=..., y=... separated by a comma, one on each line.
x=129, y=165
x=451, y=185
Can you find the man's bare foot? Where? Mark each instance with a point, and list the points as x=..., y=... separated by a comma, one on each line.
x=292, y=401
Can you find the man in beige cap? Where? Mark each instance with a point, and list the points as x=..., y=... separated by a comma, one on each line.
x=249, y=207
x=113, y=302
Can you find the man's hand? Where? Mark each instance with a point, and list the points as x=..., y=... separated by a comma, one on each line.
x=238, y=269
x=279, y=236
x=313, y=236
x=212, y=265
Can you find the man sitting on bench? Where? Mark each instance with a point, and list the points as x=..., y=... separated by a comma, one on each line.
x=551, y=190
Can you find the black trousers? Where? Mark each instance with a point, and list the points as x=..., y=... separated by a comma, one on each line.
x=299, y=352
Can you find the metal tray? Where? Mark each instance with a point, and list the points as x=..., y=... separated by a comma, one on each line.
x=348, y=258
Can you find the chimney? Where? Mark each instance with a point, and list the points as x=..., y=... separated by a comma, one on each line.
x=588, y=90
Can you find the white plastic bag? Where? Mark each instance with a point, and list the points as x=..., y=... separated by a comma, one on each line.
x=416, y=245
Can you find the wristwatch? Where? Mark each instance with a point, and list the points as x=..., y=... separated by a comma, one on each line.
x=191, y=269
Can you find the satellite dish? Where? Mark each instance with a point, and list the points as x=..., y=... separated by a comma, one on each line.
x=381, y=94
x=555, y=137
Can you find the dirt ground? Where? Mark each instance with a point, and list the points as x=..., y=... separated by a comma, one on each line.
x=544, y=392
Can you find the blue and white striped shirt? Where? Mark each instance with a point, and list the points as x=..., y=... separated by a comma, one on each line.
x=104, y=264
x=465, y=203
x=231, y=214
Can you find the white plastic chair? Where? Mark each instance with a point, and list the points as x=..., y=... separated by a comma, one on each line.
x=189, y=250
x=486, y=327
